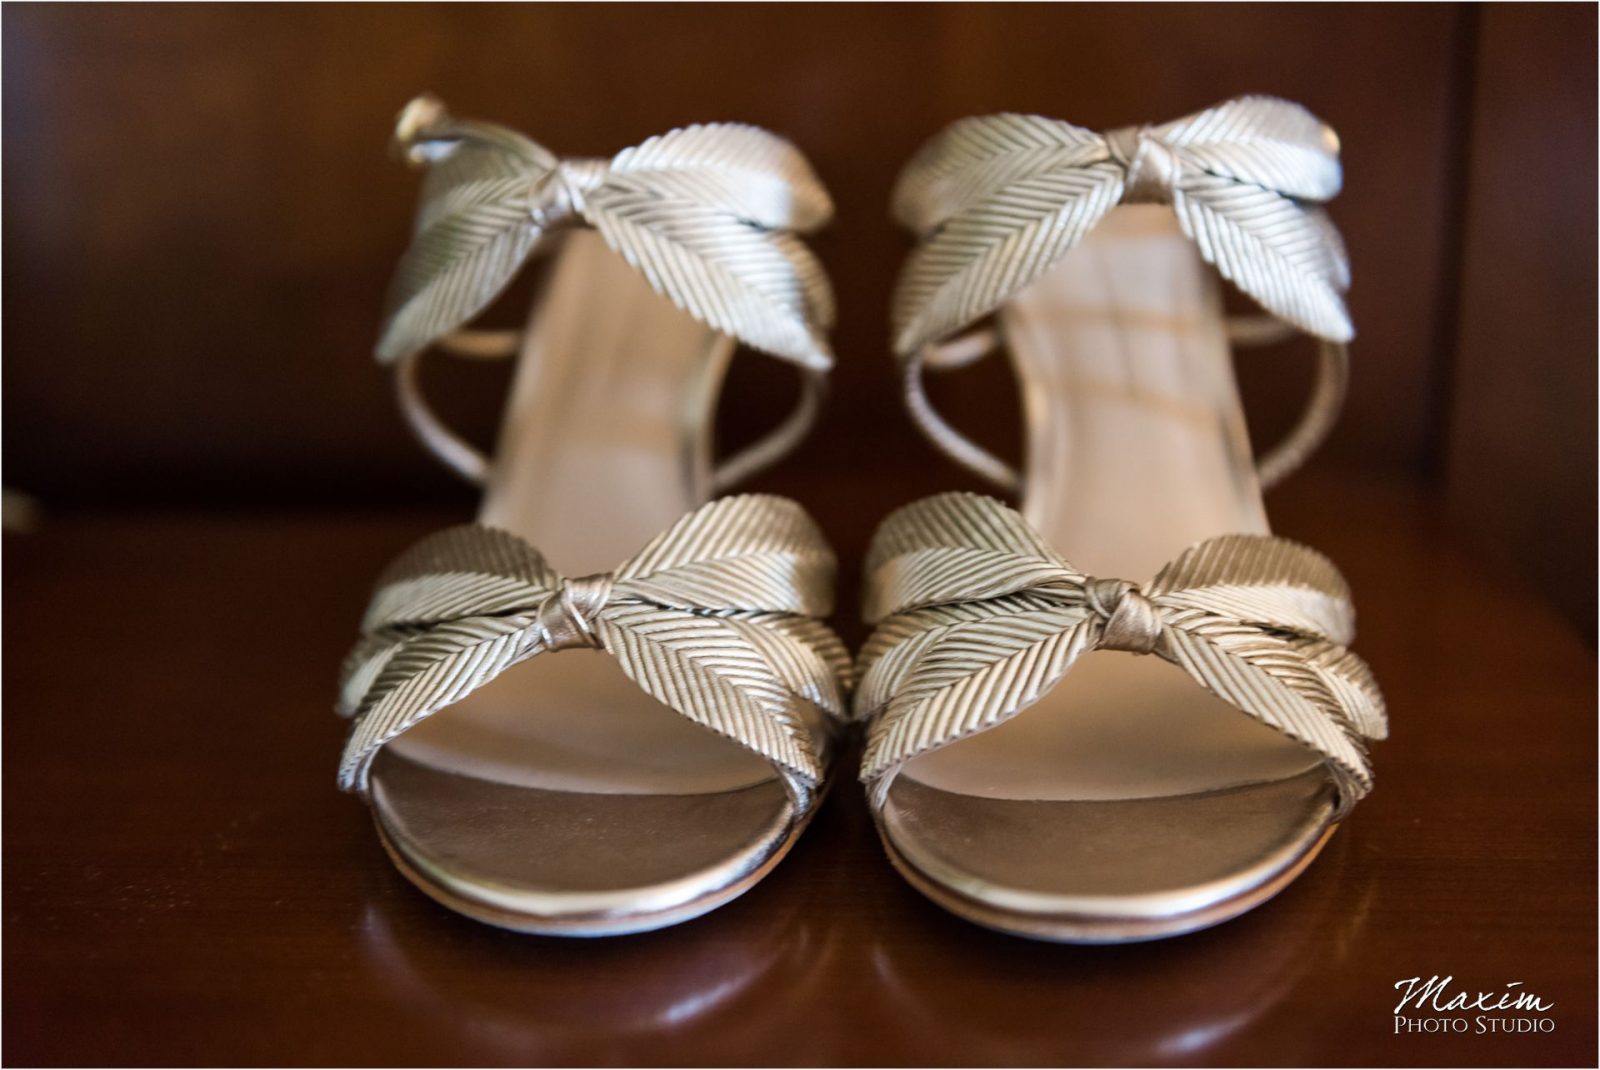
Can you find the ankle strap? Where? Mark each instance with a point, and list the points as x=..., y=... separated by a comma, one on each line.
x=1321, y=411
x=999, y=200
x=708, y=214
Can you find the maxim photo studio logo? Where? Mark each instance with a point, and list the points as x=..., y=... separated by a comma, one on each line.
x=1439, y=1005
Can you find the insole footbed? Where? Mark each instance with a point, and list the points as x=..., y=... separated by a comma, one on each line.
x=529, y=850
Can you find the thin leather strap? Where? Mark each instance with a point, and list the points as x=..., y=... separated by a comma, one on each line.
x=717, y=618
x=1317, y=418
x=472, y=464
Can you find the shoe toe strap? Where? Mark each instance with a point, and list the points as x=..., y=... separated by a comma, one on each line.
x=978, y=619
x=717, y=618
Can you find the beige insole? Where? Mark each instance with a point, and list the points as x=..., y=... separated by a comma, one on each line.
x=560, y=781
x=1089, y=857
x=1136, y=449
x=550, y=853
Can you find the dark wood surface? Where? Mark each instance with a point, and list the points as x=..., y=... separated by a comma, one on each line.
x=200, y=222
x=183, y=885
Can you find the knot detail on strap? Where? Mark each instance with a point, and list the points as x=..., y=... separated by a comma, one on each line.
x=707, y=215
x=977, y=618
x=559, y=196
x=1152, y=166
x=716, y=618
x=568, y=616
x=998, y=200
x=1131, y=622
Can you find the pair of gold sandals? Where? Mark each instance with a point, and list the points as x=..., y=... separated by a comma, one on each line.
x=683, y=738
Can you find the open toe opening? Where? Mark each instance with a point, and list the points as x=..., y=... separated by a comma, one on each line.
x=562, y=796
x=581, y=860
x=1127, y=802
x=1111, y=869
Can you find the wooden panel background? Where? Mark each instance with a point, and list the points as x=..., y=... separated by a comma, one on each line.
x=201, y=219
x=202, y=216
x=1521, y=476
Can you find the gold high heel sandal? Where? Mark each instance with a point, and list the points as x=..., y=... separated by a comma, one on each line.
x=1141, y=796
x=670, y=753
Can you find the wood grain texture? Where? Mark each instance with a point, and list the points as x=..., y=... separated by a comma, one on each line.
x=201, y=223
x=203, y=218
x=183, y=885
x=1521, y=445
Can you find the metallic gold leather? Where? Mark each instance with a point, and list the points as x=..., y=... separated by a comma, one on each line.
x=978, y=617
x=716, y=618
x=708, y=214
x=998, y=200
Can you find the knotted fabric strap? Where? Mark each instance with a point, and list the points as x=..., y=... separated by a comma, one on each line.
x=716, y=618
x=998, y=200
x=708, y=214
x=978, y=618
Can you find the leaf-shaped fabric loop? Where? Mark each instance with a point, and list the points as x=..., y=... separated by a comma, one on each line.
x=755, y=551
x=1351, y=683
x=704, y=669
x=740, y=169
x=452, y=141
x=1264, y=141
x=464, y=570
x=954, y=547
x=894, y=646
x=803, y=653
x=887, y=660
x=364, y=664
x=1338, y=256
x=958, y=520
x=811, y=277
x=973, y=263
x=456, y=267
x=973, y=158
x=447, y=595
x=426, y=674
x=1269, y=247
x=1263, y=678
x=715, y=267
x=472, y=548
x=974, y=676
x=1261, y=579
x=929, y=577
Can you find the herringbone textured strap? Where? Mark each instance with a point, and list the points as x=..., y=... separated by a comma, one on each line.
x=998, y=200
x=978, y=618
x=709, y=215
x=716, y=618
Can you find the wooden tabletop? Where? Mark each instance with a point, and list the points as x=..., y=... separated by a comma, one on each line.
x=183, y=885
